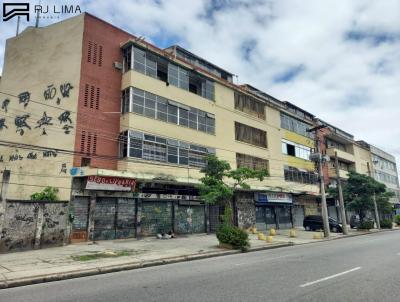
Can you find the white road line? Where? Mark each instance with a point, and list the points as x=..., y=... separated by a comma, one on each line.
x=331, y=277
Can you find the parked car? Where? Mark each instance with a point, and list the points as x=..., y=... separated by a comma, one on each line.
x=314, y=222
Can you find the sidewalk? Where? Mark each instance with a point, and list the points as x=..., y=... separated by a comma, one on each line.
x=83, y=259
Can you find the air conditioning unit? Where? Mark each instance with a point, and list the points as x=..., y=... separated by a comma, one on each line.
x=118, y=65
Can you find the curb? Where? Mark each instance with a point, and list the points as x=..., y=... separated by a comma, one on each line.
x=127, y=266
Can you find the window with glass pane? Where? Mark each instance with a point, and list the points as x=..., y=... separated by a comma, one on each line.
x=173, y=74
x=183, y=156
x=139, y=60
x=172, y=114
x=202, y=121
x=193, y=118
x=151, y=65
x=127, y=58
x=150, y=105
x=125, y=100
x=162, y=105
x=183, y=117
x=172, y=154
x=135, y=147
x=210, y=125
x=138, y=101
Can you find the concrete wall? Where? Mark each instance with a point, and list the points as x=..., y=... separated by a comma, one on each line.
x=45, y=63
x=29, y=225
x=246, y=210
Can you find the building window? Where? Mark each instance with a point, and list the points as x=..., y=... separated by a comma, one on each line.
x=300, y=176
x=160, y=108
x=160, y=68
x=252, y=162
x=297, y=150
x=154, y=148
x=249, y=105
x=334, y=144
x=250, y=135
x=295, y=125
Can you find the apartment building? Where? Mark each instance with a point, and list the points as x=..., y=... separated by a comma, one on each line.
x=384, y=170
x=122, y=127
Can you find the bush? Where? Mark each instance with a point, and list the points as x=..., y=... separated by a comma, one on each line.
x=397, y=219
x=48, y=194
x=386, y=224
x=233, y=236
x=366, y=225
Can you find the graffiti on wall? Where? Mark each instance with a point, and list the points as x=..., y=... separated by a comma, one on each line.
x=22, y=121
x=4, y=105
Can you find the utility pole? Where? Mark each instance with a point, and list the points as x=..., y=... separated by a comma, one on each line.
x=319, y=159
x=378, y=223
x=341, y=201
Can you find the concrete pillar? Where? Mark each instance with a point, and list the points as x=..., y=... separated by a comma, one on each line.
x=138, y=218
x=92, y=207
x=3, y=195
x=39, y=224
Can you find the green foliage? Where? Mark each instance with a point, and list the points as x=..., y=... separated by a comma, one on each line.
x=233, y=236
x=397, y=219
x=358, y=194
x=48, y=194
x=214, y=189
x=366, y=225
x=386, y=224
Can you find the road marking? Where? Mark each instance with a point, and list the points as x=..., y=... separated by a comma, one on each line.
x=331, y=277
x=264, y=260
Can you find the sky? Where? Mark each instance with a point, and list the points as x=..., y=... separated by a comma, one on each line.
x=339, y=60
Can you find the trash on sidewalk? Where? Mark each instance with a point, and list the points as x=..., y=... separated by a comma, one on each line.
x=168, y=235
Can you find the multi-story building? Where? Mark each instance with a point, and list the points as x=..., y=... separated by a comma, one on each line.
x=384, y=170
x=91, y=110
x=95, y=111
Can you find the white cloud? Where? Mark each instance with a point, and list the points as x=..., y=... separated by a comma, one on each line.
x=353, y=84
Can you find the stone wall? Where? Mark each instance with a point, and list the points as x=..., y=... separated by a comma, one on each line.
x=246, y=210
x=28, y=225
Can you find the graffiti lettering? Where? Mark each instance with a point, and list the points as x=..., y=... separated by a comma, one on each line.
x=49, y=153
x=32, y=155
x=24, y=98
x=67, y=128
x=4, y=105
x=1, y=159
x=14, y=157
x=63, y=168
x=3, y=123
x=50, y=92
x=65, y=89
x=58, y=101
x=65, y=117
x=20, y=122
x=44, y=121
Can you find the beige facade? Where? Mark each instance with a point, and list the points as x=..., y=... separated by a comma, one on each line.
x=37, y=60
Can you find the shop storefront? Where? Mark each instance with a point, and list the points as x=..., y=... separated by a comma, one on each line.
x=273, y=210
x=105, y=208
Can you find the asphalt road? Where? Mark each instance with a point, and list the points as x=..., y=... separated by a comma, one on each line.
x=364, y=268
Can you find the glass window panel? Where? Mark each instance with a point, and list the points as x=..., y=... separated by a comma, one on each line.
x=183, y=117
x=172, y=114
x=172, y=154
x=183, y=156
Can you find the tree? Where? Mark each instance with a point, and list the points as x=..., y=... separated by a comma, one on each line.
x=215, y=187
x=358, y=192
